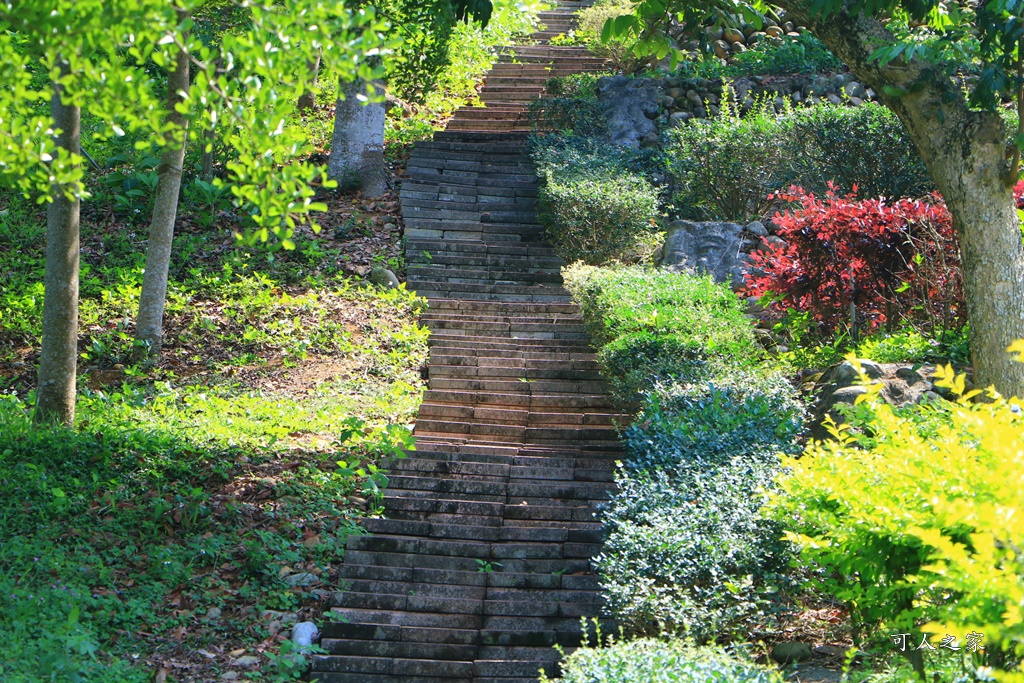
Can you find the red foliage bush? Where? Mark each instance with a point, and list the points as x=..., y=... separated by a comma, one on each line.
x=892, y=262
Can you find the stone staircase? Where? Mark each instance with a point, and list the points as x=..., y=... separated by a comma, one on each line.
x=482, y=562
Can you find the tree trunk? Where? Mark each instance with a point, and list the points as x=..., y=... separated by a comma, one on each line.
x=149, y=328
x=307, y=101
x=55, y=395
x=357, y=149
x=965, y=153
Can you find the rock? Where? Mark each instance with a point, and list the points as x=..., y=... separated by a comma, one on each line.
x=712, y=248
x=721, y=49
x=731, y=35
x=755, y=37
x=229, y=676
x=757, y=228
x=390, y=226
x=834, y=99
x=737, y=48
x=213, y=613
x=382, y=277
x=650, y=140
x=282, y=617
x=679, y=118
x=856, y=101
x=787, y=653
x=666, y=101
x=774, y=31
x=845, y=373
x=789, y=27
x=246, y=660
x=629, y=105
x=303, y=635
x=855, y=89
x=301, y=579
x=901, y=385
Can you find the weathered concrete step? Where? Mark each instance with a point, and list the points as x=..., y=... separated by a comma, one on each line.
x=489, y=491
x=528, y=387
x=467, y=307
x=499, y=274
x=380, y=669
x=503, y=248
x=539, y=402
x=493, y=534
x=418, y=258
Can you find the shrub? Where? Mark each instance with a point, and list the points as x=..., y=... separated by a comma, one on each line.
x=595, y=201
x=598, y=218
x=688, y=552
x=862, y=147
x=920, y=530
x=636, y=361
x=658, y=661
x=803, y=55
x=751, y=414
x=620, y=301
x=726, y=167
x=884, y=262
x=618, y=50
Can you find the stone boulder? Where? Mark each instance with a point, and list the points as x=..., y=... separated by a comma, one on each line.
x=902, y=385
x=630, y=106
x=713, y=248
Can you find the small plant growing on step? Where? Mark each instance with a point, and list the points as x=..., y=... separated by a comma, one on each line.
x=485, y=567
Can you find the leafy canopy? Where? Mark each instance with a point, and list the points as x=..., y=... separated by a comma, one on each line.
x=246, y=82
x=951, y=35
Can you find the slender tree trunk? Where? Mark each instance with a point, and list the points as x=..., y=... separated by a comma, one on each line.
x=965, y=153
x=149, y=328
x=357, y=149
x=55, y=395
x=307, y=101
x=209, y=138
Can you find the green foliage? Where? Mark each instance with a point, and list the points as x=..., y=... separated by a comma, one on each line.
x=595, y=201
x=688, y=550
x=598, y=219
x=864, y=146
x=659, y=661
x=618, y=50
x=726, y=167
x=245, y=84
x=781, y=57
x=919, y=530
x=472, y=50
x=620, y=301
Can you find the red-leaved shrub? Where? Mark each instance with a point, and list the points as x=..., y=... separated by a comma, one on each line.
x=857, y=265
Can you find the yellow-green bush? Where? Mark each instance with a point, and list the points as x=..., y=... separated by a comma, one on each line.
x=620, y=49
x=920, y=524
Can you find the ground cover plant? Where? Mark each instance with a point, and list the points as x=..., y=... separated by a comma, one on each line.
x=199, y=507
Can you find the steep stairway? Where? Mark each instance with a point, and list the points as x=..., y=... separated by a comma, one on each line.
x=481, y=563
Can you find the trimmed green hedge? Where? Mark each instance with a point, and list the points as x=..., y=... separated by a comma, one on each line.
x=656, y=661
x=688, y=551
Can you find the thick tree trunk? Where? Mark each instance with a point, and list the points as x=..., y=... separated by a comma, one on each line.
x=149, y=328
x=55, y=395
x=307, y=101
x=357, y=149
x=965, y=153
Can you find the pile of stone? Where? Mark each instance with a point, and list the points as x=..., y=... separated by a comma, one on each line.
x=728, y=42
x=637, y=108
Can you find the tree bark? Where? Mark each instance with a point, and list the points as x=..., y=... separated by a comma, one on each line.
x=58, y=360
x=357, y=149
x=149, y=327
x=307, y=101
x=966, y=154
